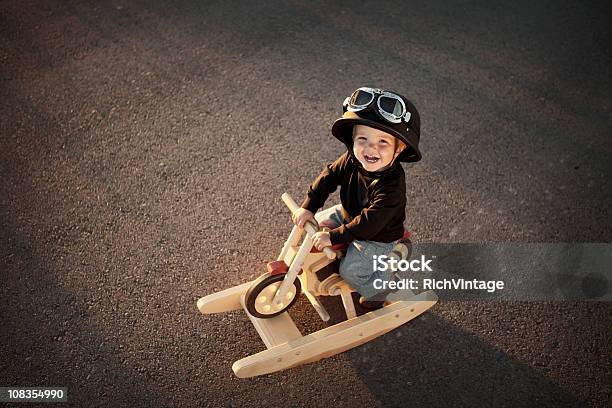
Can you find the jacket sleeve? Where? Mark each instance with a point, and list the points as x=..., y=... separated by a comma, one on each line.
x=386, y=202
x=325, y=184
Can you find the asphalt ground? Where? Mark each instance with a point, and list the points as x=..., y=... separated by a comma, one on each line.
x=145, y=147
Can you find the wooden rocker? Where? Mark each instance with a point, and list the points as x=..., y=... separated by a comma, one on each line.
x=267, y=299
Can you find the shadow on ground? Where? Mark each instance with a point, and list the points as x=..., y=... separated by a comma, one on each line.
x=431, y=362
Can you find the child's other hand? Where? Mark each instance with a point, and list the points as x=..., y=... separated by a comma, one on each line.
x=302, y=215
x=321, y=240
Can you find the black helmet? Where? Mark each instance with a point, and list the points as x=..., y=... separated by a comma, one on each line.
x=384, y=110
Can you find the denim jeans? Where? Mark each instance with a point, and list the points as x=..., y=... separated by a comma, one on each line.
x=357, y=265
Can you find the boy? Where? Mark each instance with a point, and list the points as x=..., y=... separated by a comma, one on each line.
x=380, y=129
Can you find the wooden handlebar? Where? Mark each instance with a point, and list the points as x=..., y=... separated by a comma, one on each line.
x=310, y=227
x=293, y=207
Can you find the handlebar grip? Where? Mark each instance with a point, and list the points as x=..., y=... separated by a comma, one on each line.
x=331, y=254
x=310, y=227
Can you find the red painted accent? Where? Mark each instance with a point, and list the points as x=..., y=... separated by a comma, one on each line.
x=277, y=267
x=407, y=234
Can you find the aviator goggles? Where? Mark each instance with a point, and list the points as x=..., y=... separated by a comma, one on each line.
x=389, y=106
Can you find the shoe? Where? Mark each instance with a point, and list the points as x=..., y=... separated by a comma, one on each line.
x=371, y=304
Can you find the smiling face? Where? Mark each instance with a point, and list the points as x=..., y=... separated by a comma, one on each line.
x=374, y=148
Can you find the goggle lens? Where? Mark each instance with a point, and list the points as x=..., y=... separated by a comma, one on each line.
x=391, y=106
x=361, y=98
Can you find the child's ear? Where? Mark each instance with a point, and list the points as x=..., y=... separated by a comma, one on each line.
x=400, y=147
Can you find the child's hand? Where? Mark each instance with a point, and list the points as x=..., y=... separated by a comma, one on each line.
x=321, y=240
x=302, y=215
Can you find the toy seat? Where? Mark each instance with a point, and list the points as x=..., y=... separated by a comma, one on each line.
x=342, y=247
x=337, y=247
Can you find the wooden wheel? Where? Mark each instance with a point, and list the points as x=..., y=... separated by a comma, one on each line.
x=258, y=299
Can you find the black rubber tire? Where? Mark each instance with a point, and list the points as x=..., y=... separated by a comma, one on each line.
x=260, y=284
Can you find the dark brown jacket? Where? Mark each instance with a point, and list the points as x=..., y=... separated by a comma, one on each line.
x=373, y=203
